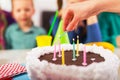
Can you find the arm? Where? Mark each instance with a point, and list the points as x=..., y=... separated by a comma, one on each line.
x=93, y=30
x=108, y=5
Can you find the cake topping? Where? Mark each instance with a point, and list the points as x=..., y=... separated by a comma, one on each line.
x=91, y=57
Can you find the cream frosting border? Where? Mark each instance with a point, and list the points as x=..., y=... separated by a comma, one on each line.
x=40, y=70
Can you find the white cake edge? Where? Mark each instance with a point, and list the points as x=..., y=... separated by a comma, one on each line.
x=95, y=71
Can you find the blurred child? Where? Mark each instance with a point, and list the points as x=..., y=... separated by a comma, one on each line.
x=22, y=35
x=2, y=28
x=88, y=31
x=110, y=27
x=5, y=20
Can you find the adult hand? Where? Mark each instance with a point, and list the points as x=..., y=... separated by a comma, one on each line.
x=82, y=10
x=75, y=13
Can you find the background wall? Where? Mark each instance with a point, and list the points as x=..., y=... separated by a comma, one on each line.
x=40, y=5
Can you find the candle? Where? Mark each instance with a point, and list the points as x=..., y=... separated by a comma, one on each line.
x=74, y=55
x=63, y=57
x=54, y=55
x=84, y=57
x=77, y=51
x=59, y=55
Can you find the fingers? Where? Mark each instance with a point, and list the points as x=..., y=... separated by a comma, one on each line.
x=66, y=19
x=73, y=24
x=70, y=21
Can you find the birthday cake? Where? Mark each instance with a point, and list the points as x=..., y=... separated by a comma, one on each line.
x=101, y=64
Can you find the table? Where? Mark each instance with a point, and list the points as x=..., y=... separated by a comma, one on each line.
x=7, y=56
x=19, y=56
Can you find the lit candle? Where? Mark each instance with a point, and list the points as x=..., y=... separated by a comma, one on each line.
x=77, y=51
x=59, y=55
x=63, y=57
x=54, y=55
x=84, y=57
x=74, y=55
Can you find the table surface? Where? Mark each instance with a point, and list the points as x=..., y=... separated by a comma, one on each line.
x=19, y=56
x=7, y=56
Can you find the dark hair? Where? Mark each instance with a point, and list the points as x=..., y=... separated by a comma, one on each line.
x=59, y=4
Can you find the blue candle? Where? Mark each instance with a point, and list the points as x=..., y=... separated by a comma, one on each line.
x=74, y=55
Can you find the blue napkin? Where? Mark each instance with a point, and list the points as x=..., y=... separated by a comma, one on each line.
x=22, y=76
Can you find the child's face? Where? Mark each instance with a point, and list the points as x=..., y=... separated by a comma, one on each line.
x=23, y=11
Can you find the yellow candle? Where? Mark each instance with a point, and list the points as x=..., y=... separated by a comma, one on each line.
x=63, y=57
x=77, y=51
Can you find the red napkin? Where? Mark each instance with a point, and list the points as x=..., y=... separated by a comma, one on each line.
x=10, y=70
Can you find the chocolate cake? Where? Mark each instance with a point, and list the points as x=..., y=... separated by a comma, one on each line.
x=102, y=64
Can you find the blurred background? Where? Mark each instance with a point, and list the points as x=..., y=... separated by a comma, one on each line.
x=45, y=11
x=41, y=6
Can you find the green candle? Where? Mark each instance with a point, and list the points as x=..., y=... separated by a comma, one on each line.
x=74, y=55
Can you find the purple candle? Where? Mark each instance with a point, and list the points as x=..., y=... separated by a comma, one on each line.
x=54, y=55
x=84, y=57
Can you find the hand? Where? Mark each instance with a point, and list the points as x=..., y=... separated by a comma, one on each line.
x=77, y=12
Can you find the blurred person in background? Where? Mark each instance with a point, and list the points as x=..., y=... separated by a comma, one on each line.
x=2, y=29
x=110, y=27
x=6, y=19
x=22, y=34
